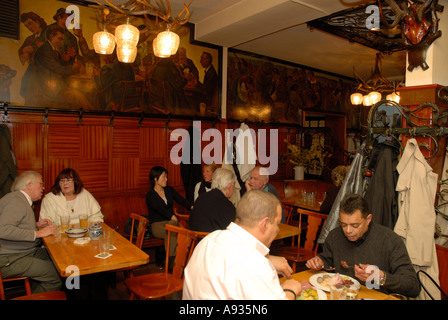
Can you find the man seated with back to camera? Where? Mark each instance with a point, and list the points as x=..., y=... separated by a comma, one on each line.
x=235, y=263
x=213, y=210
x=358, y=245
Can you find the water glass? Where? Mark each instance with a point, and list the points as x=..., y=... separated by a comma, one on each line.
x=104, y=242
x=338, y=292
x=352, y=292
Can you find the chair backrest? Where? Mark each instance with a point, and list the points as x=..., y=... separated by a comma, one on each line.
x=287, y=209
x=186, y=241
x=182, y=219
x=142, y=224
x=315, y=220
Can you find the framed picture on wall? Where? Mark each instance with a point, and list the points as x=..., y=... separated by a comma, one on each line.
x=57, y=68
x=264, y=89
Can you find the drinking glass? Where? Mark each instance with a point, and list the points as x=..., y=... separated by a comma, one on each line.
x=65, y=222
x=83, y=223
x=338, y=292
x=352, y=292
x=104, y=242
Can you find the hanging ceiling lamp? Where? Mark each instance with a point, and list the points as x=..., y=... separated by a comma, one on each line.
x=127, y=35
x=394, y=96
x=356, y=98
x=166, y=44
x=374, y=87
x=126, y=53
x=374, y=97
x=103, y=41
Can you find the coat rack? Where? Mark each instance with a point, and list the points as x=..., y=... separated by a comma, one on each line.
x=379, y=125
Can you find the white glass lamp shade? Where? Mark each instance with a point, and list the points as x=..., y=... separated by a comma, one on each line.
x=126, y=54
x=156, y=47
x=103, y=42
x=395, y=96
x=375, y=97
x=356, y=98
x=167, y=43
x=127, y=35
x=366, y=101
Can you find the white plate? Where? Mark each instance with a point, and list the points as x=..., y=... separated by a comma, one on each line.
x=313, y=281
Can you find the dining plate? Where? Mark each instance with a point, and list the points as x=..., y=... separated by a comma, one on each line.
x=317, y=285
x=320, y=295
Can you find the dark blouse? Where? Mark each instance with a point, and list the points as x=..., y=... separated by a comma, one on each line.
x=161, y=211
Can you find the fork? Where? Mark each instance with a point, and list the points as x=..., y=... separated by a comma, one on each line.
x=328, y=268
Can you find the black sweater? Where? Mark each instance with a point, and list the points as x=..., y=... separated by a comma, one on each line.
x=161, y=211
x=380, y=246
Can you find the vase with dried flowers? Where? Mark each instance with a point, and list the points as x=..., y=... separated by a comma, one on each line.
x=312, y=159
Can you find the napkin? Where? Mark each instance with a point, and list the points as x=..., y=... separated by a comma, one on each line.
x=105, y=257
x=82, y=240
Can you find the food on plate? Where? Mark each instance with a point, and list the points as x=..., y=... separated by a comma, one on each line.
x=328, y=280
x=308, y=292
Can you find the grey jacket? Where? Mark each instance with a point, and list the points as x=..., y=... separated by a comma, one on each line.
x=17, y=224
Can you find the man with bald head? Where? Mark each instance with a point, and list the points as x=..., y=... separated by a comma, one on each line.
x=234, y=264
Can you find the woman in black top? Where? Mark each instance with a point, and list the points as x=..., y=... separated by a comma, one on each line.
x=160, y=205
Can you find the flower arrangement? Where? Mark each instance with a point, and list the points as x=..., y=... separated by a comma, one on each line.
x=311, y=159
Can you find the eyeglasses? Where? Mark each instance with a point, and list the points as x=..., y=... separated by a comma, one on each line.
x=62, y=181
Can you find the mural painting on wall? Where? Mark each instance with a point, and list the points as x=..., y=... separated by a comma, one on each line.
x=260, y=89
x=53, y=67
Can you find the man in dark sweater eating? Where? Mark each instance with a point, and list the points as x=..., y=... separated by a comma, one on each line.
x=359, y=247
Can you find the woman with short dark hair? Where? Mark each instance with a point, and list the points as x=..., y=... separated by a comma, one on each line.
x=160, y=201
x=69, y=197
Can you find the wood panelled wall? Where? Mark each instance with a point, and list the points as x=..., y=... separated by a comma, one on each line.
x=112, y=156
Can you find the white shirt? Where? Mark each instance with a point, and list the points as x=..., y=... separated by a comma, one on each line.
x=231, y=264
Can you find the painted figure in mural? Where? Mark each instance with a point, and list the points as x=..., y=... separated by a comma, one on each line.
x=168, y=82
x=108, y=81
x=37, y=26
x=6, y=75
x=210, y=83
x=51, y=74
x=191, y=74
x=69, y=50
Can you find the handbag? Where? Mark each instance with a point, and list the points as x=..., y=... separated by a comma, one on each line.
x=432, y=280
x=128, y=225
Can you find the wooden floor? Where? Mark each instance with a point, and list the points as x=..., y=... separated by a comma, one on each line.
x=116, y=289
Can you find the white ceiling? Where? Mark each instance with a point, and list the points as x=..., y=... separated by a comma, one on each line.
x=277, y=28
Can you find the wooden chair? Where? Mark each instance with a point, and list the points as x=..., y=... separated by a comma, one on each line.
x=182, y=219
x=2, y=280
x=51, y=295
x=297, y=254
x=158, y=285
x=137, y=240
x=142, y=224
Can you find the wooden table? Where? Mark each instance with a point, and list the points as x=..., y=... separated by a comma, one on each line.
x=287, y=231
x=64, y=253
x=364, y=292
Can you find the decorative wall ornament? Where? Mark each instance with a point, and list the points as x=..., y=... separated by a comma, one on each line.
x=410, y=25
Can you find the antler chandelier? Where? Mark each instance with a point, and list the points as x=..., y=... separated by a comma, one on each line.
x=127, y=36
x=374, y=87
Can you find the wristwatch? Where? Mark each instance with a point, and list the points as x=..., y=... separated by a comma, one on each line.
x=383, y=279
